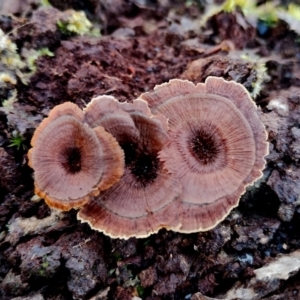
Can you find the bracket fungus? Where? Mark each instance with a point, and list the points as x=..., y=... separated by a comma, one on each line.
x=71, y=161
x=143, y=201
x=216, y=146
x=179, y=157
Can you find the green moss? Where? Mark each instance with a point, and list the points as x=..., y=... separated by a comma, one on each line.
x=266, y=12
x=17, y=141
x=111, y=272
x=294, y=11
x=75, y=22
x=260, y=71
x=8, y=53
x=117, y=256
x=45, y=3
x=140, y=290
x=34, y=55
x=45, y=264
x=291, y=16
x=43, y=272
x=244, y=5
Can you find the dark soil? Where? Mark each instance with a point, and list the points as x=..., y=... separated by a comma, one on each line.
x=143, y=43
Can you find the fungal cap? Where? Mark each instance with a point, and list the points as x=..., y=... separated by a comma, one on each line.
x=70, y=162
x=216, y=149
x=143, y=201
x=65, y=109
x=101, y=107
x=98, y=108
x=98, y=214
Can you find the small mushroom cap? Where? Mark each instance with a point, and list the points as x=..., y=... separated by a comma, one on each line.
x=70, y=162
x=107, y=109
x=217, y=146
x=143, y=201
x=99, y=107
x=65, y=109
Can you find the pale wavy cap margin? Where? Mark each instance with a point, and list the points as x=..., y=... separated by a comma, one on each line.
x=103, y=105
x=112, y=156
x=64, y=109
x=234, y=92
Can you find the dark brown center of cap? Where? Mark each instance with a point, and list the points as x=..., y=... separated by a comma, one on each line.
x=143, y=166
x=71, y=159
x=205, y=145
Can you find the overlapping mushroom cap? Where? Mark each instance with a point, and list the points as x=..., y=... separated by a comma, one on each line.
x=71, y=160
x=216, y=148
x=186, y=163
x=144, y=200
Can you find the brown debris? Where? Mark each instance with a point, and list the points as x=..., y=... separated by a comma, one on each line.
x=286, y=184
x=249, y=235
x=233, y=26
x=85, y=261
x=41, y=31
x=230, y=67
x=21, y=227
x=214, y=157
x=9, y=174
x=282, y=122
x=267, y=278
x=8, y=7
x=85, y=67
x=168, y=284
x=148, y=277
x=13, y=284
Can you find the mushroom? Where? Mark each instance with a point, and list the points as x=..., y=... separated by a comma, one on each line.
x=72, y=161
x=65, y=109
x=144, y=200
x=216, y=148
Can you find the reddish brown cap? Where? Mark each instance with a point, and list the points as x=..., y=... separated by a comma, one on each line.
x=115, y=116
x=105, y=111
x=144, y=200
x=216, y=149
x=65, y=109
x=72, y=161
x=94, y=112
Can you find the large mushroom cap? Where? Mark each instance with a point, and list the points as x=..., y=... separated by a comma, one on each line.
x=72, y=161
x=143, y=201
x=217, y=146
